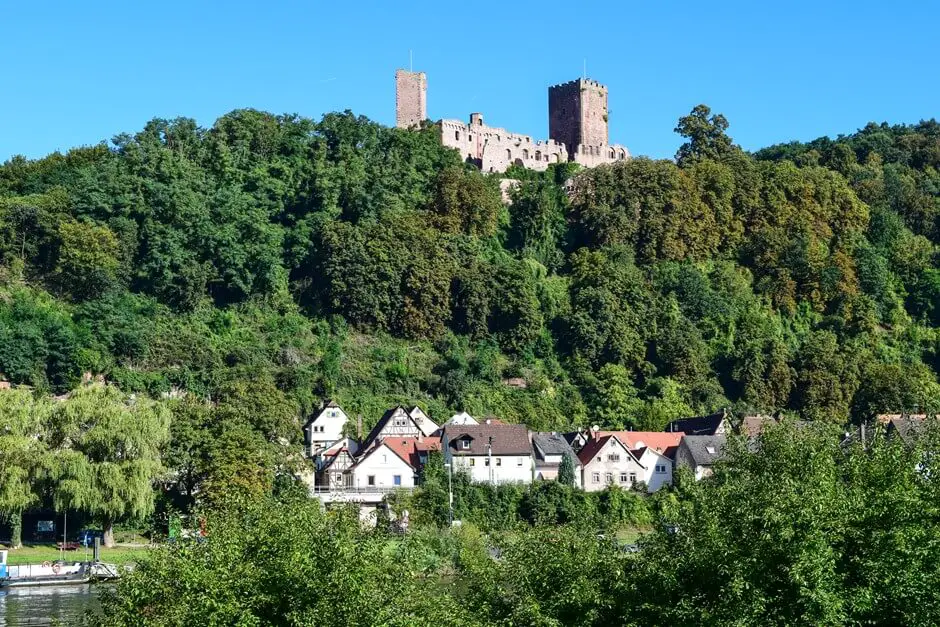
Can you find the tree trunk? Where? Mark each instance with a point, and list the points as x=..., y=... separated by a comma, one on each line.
x=16, y=534
x=109, y=533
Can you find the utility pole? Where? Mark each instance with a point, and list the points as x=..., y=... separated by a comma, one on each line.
x=450, y=493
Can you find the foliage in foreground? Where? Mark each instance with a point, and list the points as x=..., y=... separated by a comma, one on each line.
x=796, y=530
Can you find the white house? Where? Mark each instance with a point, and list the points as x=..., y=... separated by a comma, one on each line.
x=380, y=467
x=657, y=468
x=605, y=461
x=549, y=449
x=699, y=453
x=401, y=423
x=324, y=428
x=489, y=452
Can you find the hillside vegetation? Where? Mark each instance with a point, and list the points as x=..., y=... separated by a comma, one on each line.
x=269, y=261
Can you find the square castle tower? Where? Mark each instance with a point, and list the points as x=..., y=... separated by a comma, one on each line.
x=411, y=98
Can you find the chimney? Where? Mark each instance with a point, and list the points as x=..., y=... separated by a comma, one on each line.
x=359, y=427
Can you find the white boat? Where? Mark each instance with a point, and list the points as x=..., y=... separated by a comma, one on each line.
x=54, y=573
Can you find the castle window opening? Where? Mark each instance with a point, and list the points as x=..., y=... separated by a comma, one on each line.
x=457, y=135
x=538, y=155
x=525, y=153
x=508, y=155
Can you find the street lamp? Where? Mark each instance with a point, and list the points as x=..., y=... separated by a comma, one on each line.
x=450, y=492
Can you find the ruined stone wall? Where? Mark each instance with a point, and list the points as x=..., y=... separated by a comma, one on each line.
x=590, y=156
x=494, y=149
x=411, y=98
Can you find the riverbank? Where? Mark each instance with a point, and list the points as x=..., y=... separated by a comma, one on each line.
x=38, y=553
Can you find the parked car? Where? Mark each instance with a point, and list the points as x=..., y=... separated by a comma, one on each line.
x=86, y=537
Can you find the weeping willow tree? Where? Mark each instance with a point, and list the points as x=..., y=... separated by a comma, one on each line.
x=22, y=455
x=106, y=454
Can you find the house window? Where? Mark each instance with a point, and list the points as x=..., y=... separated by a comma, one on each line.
x=598, y=458
x=499, y=461
x=370, y=480
x=596, y=477
x=473, y=462
x=384, y=459
x=632, y=477
x=422, y=459
x=519, y=462
x=623, y=477
x=486, y=462
x=660, y=469
x=609, y=477
x=465, y=444
x=613, y=457
x=396, y=479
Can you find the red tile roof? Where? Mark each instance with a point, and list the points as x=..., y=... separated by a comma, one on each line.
x=657, y=440
x=411, y=449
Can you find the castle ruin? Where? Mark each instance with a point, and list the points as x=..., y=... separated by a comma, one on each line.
x=577, y=127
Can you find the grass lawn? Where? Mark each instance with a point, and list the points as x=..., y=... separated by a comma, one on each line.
x=38, y=553
x=629, y=534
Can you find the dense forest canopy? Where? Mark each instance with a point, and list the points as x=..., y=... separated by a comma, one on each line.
x=269, y=261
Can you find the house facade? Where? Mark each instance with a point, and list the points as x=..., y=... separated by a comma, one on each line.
x=489, y=452
x=548, y=450
x=699, y=453
x=324, y=428
x=380, y=467
x=332, y=464
x=399, y=422
x=606, y=461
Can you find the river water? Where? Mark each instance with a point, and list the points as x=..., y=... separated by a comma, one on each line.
x=53, y=605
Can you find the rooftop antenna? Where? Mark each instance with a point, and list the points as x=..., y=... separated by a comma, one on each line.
x=411, y=61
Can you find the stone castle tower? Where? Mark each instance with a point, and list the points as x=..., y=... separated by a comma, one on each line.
x=411, y=98
x=577, y=114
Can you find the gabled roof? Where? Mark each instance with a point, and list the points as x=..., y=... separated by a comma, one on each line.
x=593, y=446
x=505, y=439
x=330, y=404
x=379, y=445
x=550, y=444
x=908, y=428
x=659, y=440
x=699, y=425
x=462, y=418
x=411, y=449
x=704, y=449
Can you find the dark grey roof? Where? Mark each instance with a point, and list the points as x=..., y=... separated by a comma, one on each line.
x=704, y=449
x=551, y=444
x=505, y=439
x=907, y=428
x=699, y=425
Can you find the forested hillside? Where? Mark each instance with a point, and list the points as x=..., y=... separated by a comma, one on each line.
x=269, y=261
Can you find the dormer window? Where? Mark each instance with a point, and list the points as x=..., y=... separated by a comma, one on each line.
x=465, y=445
x=710, y=449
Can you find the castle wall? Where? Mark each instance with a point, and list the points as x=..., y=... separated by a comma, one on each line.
x=590, y=156
x=411, y=98
x=494, y=149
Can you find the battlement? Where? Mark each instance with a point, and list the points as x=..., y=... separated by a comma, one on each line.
x=579, y=82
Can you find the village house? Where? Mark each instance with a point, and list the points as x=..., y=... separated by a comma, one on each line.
x=489, y=452
x=699, y=453
x=549, y=449
x=606, y=461
x=333, y=462
x=393, y=462
x=401, y=422
x=324, y=428
x=656, y=452
x=462, y=418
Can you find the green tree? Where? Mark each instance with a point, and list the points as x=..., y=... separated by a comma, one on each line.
x=22, y=455
x=706, y=135
x=566, y=470
x=105, y=454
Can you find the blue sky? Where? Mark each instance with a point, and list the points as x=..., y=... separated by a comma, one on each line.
x=75, y=73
